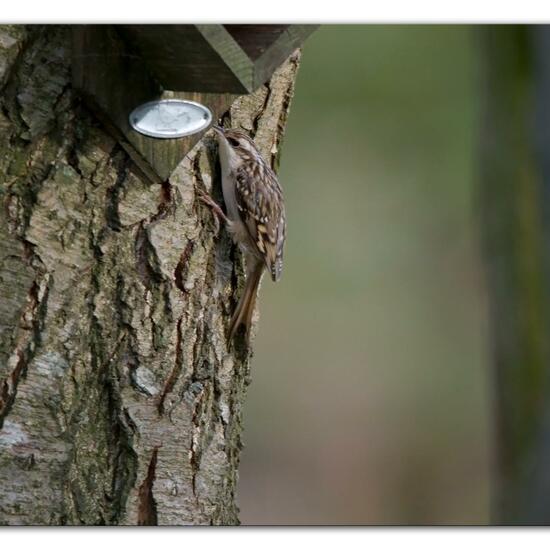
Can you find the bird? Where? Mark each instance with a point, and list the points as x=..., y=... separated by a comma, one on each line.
x=255, y=216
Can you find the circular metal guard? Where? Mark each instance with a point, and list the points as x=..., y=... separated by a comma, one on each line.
x=170, y=118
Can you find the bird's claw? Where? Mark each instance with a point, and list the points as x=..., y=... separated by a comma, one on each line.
x=219, y=213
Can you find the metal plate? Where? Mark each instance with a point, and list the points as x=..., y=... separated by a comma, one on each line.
x=170, y=118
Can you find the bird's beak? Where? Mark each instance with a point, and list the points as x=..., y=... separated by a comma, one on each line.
x=218, y=129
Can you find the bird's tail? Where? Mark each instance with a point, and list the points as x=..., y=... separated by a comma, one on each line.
x=245, y=308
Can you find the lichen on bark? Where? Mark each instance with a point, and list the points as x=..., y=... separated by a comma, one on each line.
x=119, y=400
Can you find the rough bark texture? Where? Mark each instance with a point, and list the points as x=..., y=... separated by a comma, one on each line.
x=119, y=402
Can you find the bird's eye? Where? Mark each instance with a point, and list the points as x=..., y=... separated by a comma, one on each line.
x=233, y=141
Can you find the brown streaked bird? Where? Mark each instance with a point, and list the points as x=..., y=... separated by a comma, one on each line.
x=255, y=216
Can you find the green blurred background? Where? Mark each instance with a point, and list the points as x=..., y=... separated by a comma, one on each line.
x=369, y=396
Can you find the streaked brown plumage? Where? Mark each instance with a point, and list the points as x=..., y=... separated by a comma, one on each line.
x=255, y=216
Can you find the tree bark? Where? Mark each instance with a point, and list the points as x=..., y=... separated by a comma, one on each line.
x=119, y=400
x=515, y=199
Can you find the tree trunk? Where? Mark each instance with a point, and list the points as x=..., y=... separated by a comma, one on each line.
x=515, y=155
x=119, y=401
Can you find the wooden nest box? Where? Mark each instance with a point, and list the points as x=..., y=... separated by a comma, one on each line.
x=119, y=67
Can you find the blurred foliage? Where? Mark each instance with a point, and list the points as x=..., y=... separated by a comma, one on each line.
x=369, y=395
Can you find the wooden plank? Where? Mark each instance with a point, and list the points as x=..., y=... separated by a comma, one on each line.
x=214, y=58
x=255, y=39
x=113, y=80
x=289, y=40
x=117, y=68
x=195, y=58
x=231, y=53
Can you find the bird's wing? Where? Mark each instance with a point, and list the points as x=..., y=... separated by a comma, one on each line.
x=260, y=203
